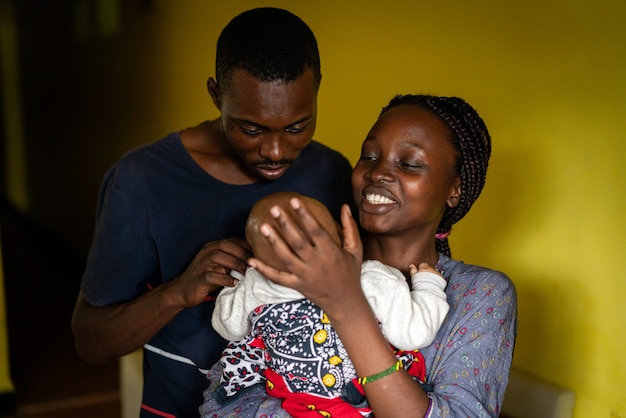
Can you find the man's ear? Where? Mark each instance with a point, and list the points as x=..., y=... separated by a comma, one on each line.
x=455, y=195
x=214, y=92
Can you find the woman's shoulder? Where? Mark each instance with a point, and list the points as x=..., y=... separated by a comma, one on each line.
x=482, y=294
x=459, y=273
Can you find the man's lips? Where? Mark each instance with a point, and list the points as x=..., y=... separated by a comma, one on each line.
x=272, y=171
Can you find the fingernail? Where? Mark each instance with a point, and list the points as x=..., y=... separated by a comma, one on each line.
x=274, y=212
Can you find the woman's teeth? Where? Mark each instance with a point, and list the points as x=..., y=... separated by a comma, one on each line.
x=376, y=199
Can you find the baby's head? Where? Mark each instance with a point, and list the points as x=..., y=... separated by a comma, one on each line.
x=260, y=214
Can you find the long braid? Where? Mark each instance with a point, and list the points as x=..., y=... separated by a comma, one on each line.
x=472, y=141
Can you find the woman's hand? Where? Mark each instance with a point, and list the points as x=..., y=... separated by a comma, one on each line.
x=321, y=270
x=330, y=276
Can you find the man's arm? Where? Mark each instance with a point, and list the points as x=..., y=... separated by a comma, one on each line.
x=102, y=333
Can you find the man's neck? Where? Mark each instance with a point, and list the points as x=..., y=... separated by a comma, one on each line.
x=208, y=147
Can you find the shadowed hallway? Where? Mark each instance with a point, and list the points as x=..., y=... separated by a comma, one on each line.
x=42, y=278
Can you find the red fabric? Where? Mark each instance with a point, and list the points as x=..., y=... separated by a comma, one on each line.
x=156, y=411
x=309, y=405
x=417, y=368
x=258, y=343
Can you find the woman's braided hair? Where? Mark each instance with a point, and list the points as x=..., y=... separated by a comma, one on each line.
x=471, y=139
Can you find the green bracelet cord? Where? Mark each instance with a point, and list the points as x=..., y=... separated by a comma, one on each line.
x=367, y=379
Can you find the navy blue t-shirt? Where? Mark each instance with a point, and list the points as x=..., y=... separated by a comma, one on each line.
x=156, y=210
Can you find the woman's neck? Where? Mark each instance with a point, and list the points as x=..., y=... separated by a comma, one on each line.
x=400, y=253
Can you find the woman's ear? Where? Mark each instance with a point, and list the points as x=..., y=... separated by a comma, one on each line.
x=214, y=92
x=455, y=195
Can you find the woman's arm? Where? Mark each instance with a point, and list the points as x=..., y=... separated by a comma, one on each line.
x=329, y=276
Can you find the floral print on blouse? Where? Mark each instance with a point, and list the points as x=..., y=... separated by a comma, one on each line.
x=469, y=361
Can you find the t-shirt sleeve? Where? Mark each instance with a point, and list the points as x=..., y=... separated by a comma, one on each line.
x=123, y=260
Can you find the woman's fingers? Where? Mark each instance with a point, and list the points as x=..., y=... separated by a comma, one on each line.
x=277, y=276
x=311, y=228
x=281, y=248
x=351, y=239
x=288, y=233
x=311, y=256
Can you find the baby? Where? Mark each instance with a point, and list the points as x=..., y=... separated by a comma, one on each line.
x=280, y=338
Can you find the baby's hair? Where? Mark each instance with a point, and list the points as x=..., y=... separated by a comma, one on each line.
x=471, y=139
x=268, y=43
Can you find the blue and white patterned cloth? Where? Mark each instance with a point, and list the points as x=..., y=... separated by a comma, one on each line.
x=468, y=363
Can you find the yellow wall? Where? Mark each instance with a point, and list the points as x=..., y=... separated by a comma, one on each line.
x=550, y=80
x=549, y=77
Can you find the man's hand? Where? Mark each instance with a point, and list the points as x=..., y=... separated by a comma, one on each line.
x=210, y=269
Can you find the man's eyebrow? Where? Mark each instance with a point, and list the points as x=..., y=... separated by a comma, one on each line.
x=258, y=125
x=304, y=119
x=248, y=122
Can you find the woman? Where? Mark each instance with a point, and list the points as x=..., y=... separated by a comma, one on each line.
x=422, y=166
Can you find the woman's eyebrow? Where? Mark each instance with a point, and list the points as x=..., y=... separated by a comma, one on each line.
x=411, y=144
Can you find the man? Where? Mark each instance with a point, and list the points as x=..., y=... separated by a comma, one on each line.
x=171, y=214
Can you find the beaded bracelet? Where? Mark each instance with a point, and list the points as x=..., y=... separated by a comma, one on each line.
x=367, y=379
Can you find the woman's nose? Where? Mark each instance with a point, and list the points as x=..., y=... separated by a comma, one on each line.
x=381, y=172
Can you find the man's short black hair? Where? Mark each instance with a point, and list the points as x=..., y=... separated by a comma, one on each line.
x=268, y=43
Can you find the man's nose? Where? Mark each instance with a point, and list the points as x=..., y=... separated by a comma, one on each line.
x=273, y=147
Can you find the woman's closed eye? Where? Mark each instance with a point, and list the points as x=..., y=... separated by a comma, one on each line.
x=368, y=157
x=411, y=165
